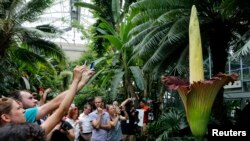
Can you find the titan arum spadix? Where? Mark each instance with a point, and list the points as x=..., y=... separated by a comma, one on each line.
x=197, y=95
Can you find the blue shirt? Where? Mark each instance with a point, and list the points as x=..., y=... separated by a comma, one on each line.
x=99, y=134
x=30, y=114
x=115, y=133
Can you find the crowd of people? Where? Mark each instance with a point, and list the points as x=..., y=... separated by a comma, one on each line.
x=23, y=118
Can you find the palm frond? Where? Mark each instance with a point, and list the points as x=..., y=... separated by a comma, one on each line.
x=33, y=9
x=166, y=52
x=14, y=7
x=241, y=44
x=149, y=4
x=145, y=16
x=245, y=50
x=32, y=61
x=160, y=54
x=152, y=39
x=228, y=8
x=168, y=45
x=34, y=32
x=166, y=124
x=181, y=66
x=137, y=38
x=172, y=15
x=46, y=48
x=140, y=27
x=178, y=30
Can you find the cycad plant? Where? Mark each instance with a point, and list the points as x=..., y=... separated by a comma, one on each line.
x=168, y=126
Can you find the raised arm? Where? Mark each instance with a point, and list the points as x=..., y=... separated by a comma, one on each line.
x=43, y=96
x=125, y=101
x=125, y=116
x=49, y=107
x=55, y=118
x=114, y=121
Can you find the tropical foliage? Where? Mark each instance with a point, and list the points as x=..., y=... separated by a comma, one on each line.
x=28, y=49
x=161, y=27
x=169, y=126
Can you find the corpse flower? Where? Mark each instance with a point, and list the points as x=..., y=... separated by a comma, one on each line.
x=197, y=95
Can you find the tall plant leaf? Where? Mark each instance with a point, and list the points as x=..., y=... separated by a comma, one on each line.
x=116, y=81
x=138, y=76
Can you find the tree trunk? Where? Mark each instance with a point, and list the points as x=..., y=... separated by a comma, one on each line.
x=220, y=37
x=4, y=44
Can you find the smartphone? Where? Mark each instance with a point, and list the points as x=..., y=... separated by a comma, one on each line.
x=92, y=65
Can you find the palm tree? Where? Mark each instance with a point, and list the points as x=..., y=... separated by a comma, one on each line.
x=29, y=44
x=160, y=35
x=28, y=48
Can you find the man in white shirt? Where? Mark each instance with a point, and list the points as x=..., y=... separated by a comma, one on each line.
x=85, y=123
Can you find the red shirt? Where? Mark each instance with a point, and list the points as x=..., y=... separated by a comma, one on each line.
x=146, y=111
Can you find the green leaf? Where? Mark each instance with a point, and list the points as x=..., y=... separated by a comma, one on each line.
x=95, y=76
x=137, y=73
x=106, y=25
x=113, y=40
x=115, y=83
x=88, y=5
x=33, y=61
x=116, y=10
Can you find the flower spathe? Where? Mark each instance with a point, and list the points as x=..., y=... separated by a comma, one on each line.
x=198, y=98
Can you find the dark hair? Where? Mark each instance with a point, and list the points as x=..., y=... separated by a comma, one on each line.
x=90, y=99
x=22, y=132
x=144, y=101
x=87, y=106
x=16, y=95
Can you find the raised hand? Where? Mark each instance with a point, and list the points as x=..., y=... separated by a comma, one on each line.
x=78, y=70
x=86, y=74
x=99, y=110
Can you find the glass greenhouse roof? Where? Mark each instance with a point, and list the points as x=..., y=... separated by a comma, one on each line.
x=59, y=15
